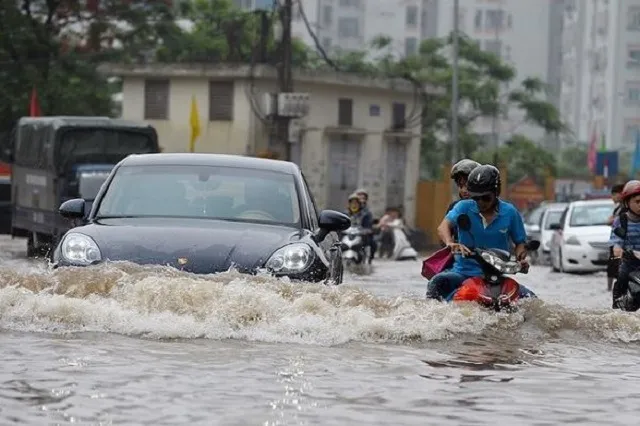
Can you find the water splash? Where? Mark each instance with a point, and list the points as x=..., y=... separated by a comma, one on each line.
x=161, y=302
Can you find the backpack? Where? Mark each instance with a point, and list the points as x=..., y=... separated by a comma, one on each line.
x=624, y=222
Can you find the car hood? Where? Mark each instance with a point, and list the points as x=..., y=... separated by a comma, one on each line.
x=591, y=233
x=193, y=245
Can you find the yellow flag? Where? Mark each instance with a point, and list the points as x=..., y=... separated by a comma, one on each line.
x=194, y=123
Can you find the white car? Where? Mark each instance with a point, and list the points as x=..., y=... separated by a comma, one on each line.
x=549, y=220
x=580, y=242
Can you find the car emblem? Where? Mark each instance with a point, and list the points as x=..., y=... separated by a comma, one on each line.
x=182, y=261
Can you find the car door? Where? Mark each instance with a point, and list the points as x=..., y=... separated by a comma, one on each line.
x=556, y=240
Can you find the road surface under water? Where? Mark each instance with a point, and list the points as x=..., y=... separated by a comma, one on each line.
x=122, y=344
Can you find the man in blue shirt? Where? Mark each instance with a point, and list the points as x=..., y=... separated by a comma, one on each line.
x=494, y=224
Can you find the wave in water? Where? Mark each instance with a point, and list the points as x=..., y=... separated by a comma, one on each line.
x=159, y=302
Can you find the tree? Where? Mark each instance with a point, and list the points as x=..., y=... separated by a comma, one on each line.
x=523, y=158
x=482, y=78
x=220, y=32
x=573, y=162
x=56, y=45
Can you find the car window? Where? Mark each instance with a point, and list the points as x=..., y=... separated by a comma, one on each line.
x=591, y=215
x=314, y=212
x=552, y=216
x=226, y=193
x=534, y=216
x=563, y=218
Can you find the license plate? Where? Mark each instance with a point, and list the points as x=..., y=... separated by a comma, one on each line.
x=603, y=255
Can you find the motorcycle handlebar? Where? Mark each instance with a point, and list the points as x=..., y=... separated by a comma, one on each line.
x=477, y=253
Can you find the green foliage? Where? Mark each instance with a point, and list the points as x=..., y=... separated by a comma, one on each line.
x=523, y=157
x=573, y=162
x=482, y=77
x=223, y=33
x=42, y=46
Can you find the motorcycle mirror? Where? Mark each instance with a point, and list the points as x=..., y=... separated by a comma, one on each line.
x=533, y=245
x=620, y=232
x=464, y=222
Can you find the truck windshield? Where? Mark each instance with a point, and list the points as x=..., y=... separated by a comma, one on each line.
x=101, y=145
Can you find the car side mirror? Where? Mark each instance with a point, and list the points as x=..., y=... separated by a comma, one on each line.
x=533, y=245
x=620, y=232
x=555, y=227
x=72, y=209
x=464, y=222
x=331, y=221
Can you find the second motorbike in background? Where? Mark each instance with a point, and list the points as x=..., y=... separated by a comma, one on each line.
x=355, y=252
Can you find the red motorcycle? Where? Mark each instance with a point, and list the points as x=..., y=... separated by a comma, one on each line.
x=493, y=290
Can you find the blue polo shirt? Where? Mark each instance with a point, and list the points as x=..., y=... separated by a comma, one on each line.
x=506, y=227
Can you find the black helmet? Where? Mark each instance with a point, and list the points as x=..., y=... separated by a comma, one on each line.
x=484, y=179
x=463, y=168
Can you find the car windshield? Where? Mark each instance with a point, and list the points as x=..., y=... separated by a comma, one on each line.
x=228, y=193
x=591, y=215
x=553, y=216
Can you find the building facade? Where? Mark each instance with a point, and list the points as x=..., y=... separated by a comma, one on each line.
x=600, y=95
x=358, y=133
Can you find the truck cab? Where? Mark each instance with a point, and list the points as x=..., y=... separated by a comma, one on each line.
x=54, y=159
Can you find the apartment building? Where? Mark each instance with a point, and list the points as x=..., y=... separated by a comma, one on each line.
x=600, y=95
x=525, y=33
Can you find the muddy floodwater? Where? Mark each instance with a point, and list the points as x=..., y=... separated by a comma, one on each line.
x=125, y=345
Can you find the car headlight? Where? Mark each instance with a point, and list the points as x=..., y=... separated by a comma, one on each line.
x=500, y=265
x=80, y=249
x=572, y=241
x=293, y=258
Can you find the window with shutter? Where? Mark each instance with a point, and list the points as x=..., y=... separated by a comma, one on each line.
x=220, y=101
x=399, y=117
x=156, y=99
x=345, y=112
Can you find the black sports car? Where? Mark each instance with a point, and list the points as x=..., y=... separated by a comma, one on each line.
x=205, y=213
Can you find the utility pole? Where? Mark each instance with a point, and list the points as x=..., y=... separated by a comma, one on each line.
x=495, y=123
x=455, y=146
x=285, y=81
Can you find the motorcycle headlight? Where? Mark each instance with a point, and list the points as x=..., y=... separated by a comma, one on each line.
x=80, y=249
x=293, y=258
x=500, y=265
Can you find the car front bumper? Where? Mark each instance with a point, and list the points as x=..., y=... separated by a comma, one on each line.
x=585, y=257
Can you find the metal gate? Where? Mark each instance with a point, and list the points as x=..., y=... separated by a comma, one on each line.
x=344, y=167
x=396, y=172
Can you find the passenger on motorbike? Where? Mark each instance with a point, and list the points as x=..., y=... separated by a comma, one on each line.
x=629, y=219
x=459, y=174
x=494, y=224
x=363, y=196
x=358, y=215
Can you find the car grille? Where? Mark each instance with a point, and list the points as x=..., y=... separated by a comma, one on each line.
x=599, y=245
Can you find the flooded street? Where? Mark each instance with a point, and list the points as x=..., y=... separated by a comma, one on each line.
x=126, y=345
